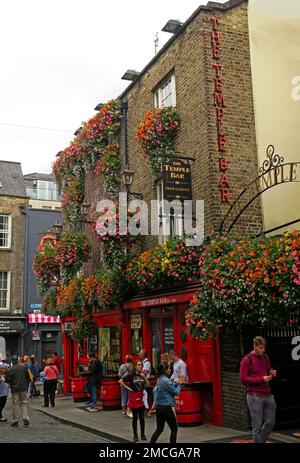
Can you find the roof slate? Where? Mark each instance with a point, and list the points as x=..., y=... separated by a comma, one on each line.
x=11, y=180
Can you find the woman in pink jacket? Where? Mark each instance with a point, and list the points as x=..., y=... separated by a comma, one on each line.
x=50, y=374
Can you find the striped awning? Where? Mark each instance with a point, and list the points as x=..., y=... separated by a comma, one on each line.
x=42, y=318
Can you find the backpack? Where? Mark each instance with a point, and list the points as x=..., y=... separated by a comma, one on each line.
x=249, y=356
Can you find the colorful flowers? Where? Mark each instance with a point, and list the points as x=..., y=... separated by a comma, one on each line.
x=156, y=135
x=172, y=261
x=248, y=281
x=96, y=147
x=57, y=262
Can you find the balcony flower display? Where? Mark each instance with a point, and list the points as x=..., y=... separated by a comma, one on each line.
x=156, y=136
x=247, y=281
x=171, y=262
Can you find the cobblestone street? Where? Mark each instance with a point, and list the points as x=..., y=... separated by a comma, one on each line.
x=43, y=429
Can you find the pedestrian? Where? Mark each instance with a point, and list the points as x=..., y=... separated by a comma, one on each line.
x=94, y=376
x=50, y=374
x=33, y=373
x=164, y=393
x=24, y=360
x=18, y=379
x=136, y=382
x=179, y=367
x=147, y=372
x=125, y=370
x=4, y=387
x=57, y=360
x=256, y=373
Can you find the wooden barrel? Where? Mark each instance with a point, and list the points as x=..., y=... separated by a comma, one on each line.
x=110, y=394
x=189, y=406
x=78, y=389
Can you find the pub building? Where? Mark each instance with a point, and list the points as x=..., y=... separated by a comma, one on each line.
x=210, y=70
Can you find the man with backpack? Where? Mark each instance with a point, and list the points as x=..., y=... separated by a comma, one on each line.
x=256, y=373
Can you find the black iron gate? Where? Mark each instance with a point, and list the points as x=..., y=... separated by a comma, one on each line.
x=281, y=344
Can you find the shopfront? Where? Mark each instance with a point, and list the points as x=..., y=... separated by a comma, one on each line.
x=106, y=343
x=157, y=324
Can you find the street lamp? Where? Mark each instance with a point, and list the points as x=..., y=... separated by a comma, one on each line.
x=58, y=227
x=127, y=179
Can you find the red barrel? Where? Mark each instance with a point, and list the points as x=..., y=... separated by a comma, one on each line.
x=189, y=406
x=78, y=386
x=110, y=394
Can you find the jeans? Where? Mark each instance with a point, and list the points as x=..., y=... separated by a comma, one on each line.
x=124, y=397
x=93, y=392
x=262, y=411
x=31, y=388
x=165, y=413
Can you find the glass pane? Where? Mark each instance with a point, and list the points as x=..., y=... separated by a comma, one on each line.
x=4, y=223
x=168, y=334
x=136, y=333
x=110, y=348
x=156, y=342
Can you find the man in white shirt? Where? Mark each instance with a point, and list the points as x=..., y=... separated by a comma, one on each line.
x=146, y=369
x=179, y=367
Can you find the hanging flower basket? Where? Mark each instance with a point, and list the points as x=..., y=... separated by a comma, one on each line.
x=156, y=136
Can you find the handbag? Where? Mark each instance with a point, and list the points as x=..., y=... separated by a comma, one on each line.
x=135, y=399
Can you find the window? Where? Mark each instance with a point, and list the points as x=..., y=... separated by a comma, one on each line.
x=164, y=94
x=42, y=189
x=109, y=348
x=4, y=289
x=162, y=333
x=170, y=217
x=5, y=231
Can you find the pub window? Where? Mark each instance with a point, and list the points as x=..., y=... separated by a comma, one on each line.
x=4, y=289
x=5, y=231
x=162, y=333
x=165, y=93
x=136, y=333
x=170, y=219
x=109, y=345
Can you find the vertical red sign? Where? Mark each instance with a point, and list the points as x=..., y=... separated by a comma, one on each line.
x=219, y=103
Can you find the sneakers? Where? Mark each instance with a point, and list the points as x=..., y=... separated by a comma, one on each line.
x=3, y=420
x=143, y=437
x=135, y=439
x=92, y=409
x=26, y=422
x=15, y=424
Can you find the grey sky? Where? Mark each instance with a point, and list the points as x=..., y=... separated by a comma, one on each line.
x=60, y=58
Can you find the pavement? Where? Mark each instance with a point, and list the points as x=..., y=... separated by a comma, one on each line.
x=114, y=426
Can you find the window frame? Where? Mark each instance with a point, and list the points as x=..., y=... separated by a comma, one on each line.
x=158, y=97
x=7, y=308
x=8, y=232
x=165, y=223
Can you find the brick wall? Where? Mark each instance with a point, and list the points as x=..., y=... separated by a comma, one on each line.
x=190, y=56
x=13, y=259
x=235, y=414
